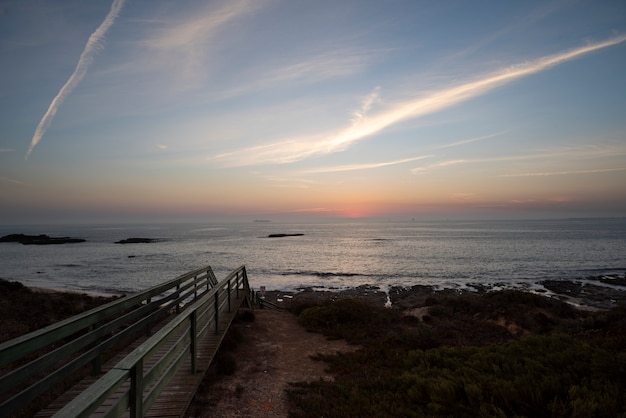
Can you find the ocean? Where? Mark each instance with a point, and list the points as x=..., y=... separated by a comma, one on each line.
x=450, y=254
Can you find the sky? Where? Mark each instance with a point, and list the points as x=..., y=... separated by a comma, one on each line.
x=137, y=110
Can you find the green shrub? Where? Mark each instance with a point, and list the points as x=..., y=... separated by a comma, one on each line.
x=534, y=376
x=299, y=305
x=401, y=368
x=351, y=319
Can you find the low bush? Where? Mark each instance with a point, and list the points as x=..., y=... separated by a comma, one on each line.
x=403, y=369
x=351, y=319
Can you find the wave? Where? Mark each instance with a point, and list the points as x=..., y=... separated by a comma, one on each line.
x=323, y=274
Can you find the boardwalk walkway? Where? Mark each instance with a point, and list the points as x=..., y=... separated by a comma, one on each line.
x=157, y=374
x=175, y=399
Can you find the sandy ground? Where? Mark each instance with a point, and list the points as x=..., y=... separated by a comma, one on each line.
x=275, y=350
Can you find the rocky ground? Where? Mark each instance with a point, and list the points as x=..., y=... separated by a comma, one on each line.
x=598, y=292
x=274, y=351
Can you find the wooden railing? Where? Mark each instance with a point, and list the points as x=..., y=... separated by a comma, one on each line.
x=145, y=372
x=49, y=357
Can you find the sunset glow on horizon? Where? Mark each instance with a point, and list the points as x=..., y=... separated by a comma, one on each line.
x=268, y=109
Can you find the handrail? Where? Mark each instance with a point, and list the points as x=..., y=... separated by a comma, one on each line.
x=144, y=372
x=84, y=338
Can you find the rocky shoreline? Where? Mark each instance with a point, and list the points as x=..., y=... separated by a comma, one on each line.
x=592, y=293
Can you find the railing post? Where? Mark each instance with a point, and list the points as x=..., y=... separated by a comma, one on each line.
x=229, y=296
x=177, y=297
x=237, y=283
x=136, y=390
x=195, y=287
x=194, y=340
x=217, y=314
x=149, y=323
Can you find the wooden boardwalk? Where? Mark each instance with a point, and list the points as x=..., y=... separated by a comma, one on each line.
x=158, y=374
x=174, y=400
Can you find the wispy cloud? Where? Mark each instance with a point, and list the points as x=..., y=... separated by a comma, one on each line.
x=288, y=182
x=94, y=43
x=564, y=173
x=300, y=148
x=186, y=43
x=10, y=180
x=448, y=97
x=469, y=141
x=3, y=150
x=353, y=167
x=189, y=34
x=312, y=69
x=366, y=106
x=563, y=154
x=284, y=152
x=520, y=24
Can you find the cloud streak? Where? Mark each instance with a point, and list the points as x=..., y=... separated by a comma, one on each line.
x=335, y=64
x=187, y=43
x=449, y=97
x=469, y=141
x=565, y=173
x=86, y=58
x=566, y=154
x=365, y=125
x=353, y=167
x=10, y=181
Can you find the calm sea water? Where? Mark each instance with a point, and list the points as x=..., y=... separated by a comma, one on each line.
x=498, y=254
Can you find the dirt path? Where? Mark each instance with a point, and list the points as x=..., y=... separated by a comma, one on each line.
x=275, y=351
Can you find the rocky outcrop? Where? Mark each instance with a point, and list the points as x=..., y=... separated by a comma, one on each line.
x=284, y=235
x=41, y=239
x=586, y=293
x=137, y=241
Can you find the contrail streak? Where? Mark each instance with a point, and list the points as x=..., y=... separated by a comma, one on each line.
x=86, y=57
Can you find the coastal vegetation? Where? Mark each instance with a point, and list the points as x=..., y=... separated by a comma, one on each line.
x=500, y=354
x=23, y=310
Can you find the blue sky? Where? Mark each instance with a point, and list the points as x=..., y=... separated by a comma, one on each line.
x=136, y=109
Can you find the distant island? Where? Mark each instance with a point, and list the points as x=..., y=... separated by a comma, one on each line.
x=284, y=235
x=261, y=220
x=41, y=239
x=137, y=241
